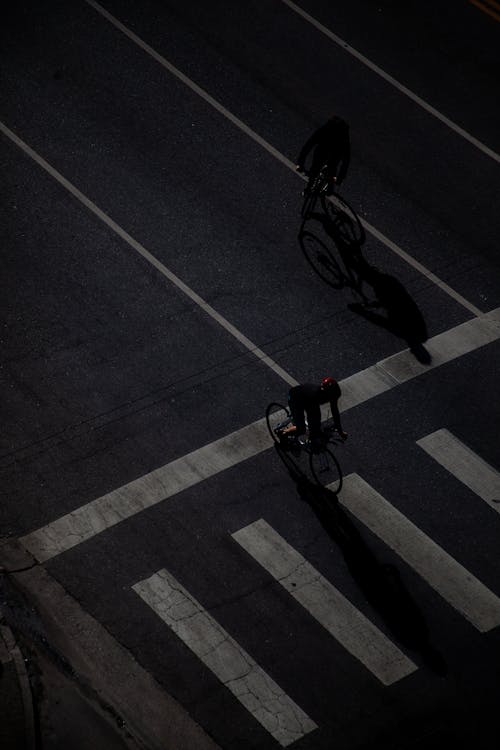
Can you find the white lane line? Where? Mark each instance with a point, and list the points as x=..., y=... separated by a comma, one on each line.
x=273, y=151
x=236, y=669
x=135, y=245
x=146, y=491
x=190, y=84
x=446, y=288
x=103, y=513
x=464, y=464
x=325, y=603
x=393, y=81
x=441, y=571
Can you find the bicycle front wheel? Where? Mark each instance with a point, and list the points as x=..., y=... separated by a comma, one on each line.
x=309, y=204
x=344, y=219
x=277, y=417
x=326, y=470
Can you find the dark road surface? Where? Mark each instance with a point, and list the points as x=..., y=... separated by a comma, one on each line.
x=110, y=371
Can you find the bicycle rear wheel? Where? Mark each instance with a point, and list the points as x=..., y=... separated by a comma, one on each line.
x=326, y=470
x=277, y=417
x=322, y=259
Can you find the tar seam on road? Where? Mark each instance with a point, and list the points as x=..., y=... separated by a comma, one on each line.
x=273, y=151
x=185, y=472
x=399, y=86
x=135, y=245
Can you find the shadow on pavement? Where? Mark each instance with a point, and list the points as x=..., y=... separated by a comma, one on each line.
x=380, y=583
x=339, y=261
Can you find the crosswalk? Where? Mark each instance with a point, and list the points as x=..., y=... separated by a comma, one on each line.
x=325, y=603
x=464, y=464
x=165, y=482
x=236, y=669
x=444, y=574
x=373, y=650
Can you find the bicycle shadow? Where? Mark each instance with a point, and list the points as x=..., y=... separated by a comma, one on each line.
x=391, y=306
x=380, y=583
x=324, y=259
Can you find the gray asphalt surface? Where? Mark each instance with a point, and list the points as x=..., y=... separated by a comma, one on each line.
x=109, y=371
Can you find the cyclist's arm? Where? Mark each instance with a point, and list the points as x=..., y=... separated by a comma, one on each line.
x=344, y=164
x=306, y=148
x=336, y=419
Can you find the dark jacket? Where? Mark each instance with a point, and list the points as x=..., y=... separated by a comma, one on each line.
x=308, y=398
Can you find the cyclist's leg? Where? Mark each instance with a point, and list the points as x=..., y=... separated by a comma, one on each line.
x=332, y=169
x=277, y=418
x=314, y=422
x=316, y=165
x=298, y=416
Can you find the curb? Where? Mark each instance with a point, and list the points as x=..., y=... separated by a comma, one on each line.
x=146, y=712
x=14, y=655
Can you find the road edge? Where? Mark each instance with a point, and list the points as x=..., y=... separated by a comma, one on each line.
x=152, y=717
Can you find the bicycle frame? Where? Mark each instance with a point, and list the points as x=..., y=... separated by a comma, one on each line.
x=323, y=464
x=319, y=185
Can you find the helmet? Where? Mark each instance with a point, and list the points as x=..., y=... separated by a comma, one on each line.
x=327, y=383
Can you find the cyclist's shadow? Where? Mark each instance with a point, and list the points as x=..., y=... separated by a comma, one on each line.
x=399, y=314
x=380, y=583
x=390, y=306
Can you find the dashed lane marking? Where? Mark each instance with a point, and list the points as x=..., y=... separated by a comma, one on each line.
x=324, y=602
x=225, y=658
x=103, y=513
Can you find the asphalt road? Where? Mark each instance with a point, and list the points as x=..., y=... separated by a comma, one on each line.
x=180, y=142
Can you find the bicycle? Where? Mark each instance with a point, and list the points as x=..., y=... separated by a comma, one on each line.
x=323, y=464
x=344, y=221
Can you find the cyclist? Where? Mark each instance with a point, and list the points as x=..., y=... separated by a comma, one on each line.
x=331, y=146
x=305, y=400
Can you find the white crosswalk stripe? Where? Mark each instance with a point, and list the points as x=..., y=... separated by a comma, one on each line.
x=325, y=603
x=104, y=512
x=236, y=669
x=464, y=464
x=441, y=571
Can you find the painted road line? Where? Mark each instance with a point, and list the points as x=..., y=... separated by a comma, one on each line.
x=401, y=367
x=236, y=669
x=324, y=602
x=103, y=513
x=95, y=517
x=135, y=245
x=271, y=150
x=393, y=81
x=446, y=288
x=198, y=90
x=489, y=7
x=441, y=571
x=464, y=464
